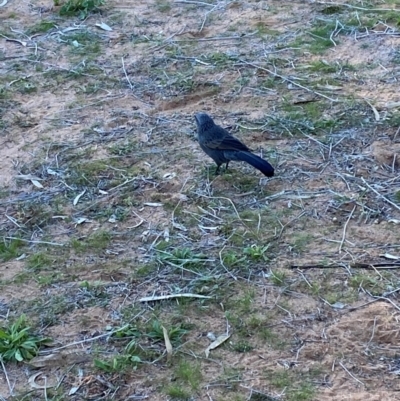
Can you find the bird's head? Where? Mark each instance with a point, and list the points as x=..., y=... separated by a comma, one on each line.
x=203, y=121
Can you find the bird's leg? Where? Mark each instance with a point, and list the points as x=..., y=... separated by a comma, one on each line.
x=217, y=169
x=227, y=163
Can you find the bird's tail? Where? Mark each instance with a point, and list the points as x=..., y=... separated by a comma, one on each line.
x=256, y=162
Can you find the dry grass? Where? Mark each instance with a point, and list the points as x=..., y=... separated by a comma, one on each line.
x=106, y=199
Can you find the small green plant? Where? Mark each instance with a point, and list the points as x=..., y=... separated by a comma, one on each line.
x=97, y=241
x=256, y=252
x=175, y=333
x=130, y=359
x=280, y=379
x=163, y=6
x=272, y=339
x=39, y=261
x=4, y=92
x=9, y=249
x=245, y=302
x=120, y=363
x=123, y=148
x=181, y=257
x=231, y=259
x=323, y=66
x=88, y=44
x=278, y=278
x=17, y=343
x=189, y=373
x=79, y=7
x=305, y=392
x=127, y=331
x=300, y=241
x=242, y=346
x=42, y=26
x=177, y=392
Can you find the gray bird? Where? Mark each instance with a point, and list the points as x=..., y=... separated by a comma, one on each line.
x=222, y=147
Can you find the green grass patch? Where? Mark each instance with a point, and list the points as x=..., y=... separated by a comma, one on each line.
x=17, y=343
x=80, y=8
x=10, y=249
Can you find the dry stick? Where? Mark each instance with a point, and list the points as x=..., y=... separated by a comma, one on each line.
x=130, y=84
x=373, y=333
x=355, y=7
x=374, y=110
x=86, y=340
x=233, y=205
x=206, y=16
x=222, y=264
x=394, y=162
x=87, y=105
x=12, y=220
x=304, y=278
x=382, y=298
x=345, y=227
x=395, y=135
x=355, y=265
x=216, y=38
x=355, y=378
x=283, y=226
x=172, y=296
x=165, y=41
x=35, y=242
x=289, y=80
x=59, y=67
x=383, y=197
x=200, y=3
x=6, y=375
x=335, y=32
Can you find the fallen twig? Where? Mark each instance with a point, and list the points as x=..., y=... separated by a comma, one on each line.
x=345, y=228
x=356, y=265
x=171, y=296
x=380, y=195
x=288, y=80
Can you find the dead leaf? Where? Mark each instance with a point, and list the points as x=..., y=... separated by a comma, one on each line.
x=220, y=340
x=81, y=220
x=389, y=256
x=168, y=345
x=37, y=184
x=179, y=226
x=374, y=110
x=76, y=200
x=168, y=176
x=28, y=177
x=58, y=359
x=33, y=384
x=104, y=26
x=112, y=219
x=153, y=204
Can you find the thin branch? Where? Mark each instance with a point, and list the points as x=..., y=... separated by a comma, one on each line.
x=288, y=80
x=126, y=74
x=10, y=389
x=355, y=378
x=222, y=264
x=345, y=227
x=356, y=7
x=35, y=242
x=130, y=84
x=380, y=195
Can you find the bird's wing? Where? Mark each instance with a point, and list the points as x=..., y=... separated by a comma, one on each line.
x=228, y=142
